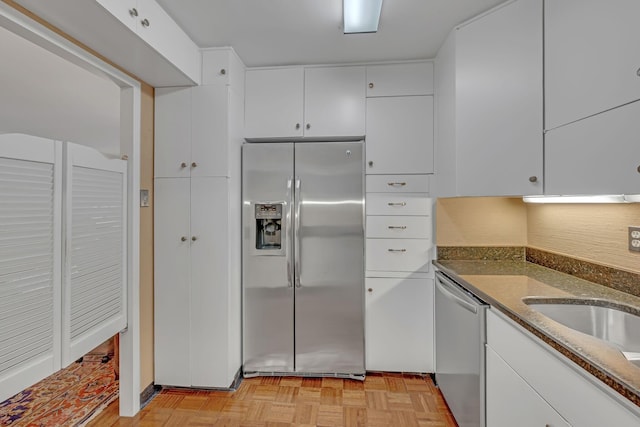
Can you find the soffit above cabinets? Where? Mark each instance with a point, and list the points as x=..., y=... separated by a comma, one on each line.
x=136, y=35
x=278, y=32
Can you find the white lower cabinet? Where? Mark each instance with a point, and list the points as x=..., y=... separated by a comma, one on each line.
x=194, y=293
x=399, y=288
x=577, y=397
x=512, y=402
x=399, y=324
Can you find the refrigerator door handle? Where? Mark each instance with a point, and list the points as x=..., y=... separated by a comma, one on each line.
x=289, y=249
x=298, y=267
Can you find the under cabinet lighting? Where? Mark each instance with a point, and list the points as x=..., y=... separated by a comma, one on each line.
x=609, y=198
x=361, y=16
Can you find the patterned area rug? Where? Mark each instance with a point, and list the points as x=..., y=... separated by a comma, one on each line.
x=67, y=398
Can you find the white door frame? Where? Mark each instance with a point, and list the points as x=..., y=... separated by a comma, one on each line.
x=20, y=24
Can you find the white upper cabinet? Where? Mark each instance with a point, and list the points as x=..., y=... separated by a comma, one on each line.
x=311, y=103
x=124, y=11
x=334, y=102
x=274, y=102
x=194, y=134
x=137, y=35
x=400, y=79
x=499, y=102
x=172, y=132
x=599, y=155
x=400, y=135
x=161, y=32
x=490, y=140
x=592, y=60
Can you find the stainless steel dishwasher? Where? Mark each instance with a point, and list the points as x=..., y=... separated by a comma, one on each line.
x=460, y=356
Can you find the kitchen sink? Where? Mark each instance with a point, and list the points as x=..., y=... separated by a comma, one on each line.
x=614, y=323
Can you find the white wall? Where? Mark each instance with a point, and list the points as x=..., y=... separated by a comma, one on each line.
x=44, y=95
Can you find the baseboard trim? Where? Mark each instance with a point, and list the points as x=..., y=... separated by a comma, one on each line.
x=148, y=394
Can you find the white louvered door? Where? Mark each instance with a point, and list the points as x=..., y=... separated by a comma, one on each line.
x=30, y=260
x=94, y=276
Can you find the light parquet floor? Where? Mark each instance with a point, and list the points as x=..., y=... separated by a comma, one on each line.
x=381, y=400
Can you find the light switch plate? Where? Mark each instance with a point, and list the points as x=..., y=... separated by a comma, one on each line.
x=144, y=198
x=634, y=239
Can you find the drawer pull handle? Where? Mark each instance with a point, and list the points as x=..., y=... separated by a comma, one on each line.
x=397, y=227
x=397, y=204
x=396, y=184
x=397, y=250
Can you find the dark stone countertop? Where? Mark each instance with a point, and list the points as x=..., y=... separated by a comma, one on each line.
x=504, y=284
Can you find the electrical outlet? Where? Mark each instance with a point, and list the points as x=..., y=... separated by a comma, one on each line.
x=634, y=239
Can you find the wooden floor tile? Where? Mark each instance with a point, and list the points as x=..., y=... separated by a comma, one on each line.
x=381, y=400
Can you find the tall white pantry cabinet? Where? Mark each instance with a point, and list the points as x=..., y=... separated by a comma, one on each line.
x=399, y=286
x=197, y=226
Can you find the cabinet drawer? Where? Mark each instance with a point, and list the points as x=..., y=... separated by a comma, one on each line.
x=398, y=183
x=399, y=227
x=398, y=255
x=398, y=204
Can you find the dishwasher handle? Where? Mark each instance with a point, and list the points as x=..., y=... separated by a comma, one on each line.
x=451, y=291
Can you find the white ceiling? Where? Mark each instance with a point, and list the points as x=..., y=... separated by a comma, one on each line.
x=286, y=32
x=47, y=96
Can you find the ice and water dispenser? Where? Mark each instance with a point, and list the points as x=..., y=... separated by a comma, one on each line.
x=268, y=219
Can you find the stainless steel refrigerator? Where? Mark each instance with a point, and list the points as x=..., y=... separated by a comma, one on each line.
x=303, y=259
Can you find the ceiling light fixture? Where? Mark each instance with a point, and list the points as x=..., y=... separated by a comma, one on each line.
x=361, y=16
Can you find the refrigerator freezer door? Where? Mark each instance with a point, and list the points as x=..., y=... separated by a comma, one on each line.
x=267, y=274
x=329, y=301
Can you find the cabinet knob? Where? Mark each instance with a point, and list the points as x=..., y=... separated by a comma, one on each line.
x=370, y=85
x=297, y=125
x=194, y=238
x=308, y=126
x=183, y=165
x=533, y=179
x=370, y=290
x=223, y=71
x=145, y=23
x=638, y=168
x=133, y=12
x=370, y=163
x=638, y=72
x=183, y=239
x=194, y=165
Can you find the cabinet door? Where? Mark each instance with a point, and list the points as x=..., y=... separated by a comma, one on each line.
x=499, y=102
x=591, y=57
x=172, y=132
x=400, y=79
x=172, y=278
x=399, y=325
x=510, y=401
x=125, y=11
x=400, y=135
x=209, y=279
x=598, y=155
x=334, y=102
x=209, y=126
x=274, y=103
